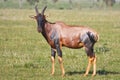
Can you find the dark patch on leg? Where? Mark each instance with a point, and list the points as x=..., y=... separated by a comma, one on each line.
x=57, y=45
x=89, y=51
x=53, y=52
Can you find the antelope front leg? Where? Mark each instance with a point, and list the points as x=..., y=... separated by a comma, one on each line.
x=61, y=66
x=53, y=65
x=53, y=53
x=59, y=51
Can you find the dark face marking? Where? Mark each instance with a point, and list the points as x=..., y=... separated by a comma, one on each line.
x=40, y=22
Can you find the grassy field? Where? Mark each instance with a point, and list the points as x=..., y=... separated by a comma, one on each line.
x=25, y=55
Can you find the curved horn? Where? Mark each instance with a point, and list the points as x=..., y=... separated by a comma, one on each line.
x=36, y=9
x=43, y=10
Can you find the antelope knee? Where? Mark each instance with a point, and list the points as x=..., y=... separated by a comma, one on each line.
x=60, y=59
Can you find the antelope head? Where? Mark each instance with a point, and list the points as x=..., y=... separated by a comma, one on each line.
x=40, y=18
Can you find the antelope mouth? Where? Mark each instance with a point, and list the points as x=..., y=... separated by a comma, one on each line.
x=39, y=30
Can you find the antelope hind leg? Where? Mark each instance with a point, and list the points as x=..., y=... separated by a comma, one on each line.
x=88, y=67
x=92, y=60
x=94, y=66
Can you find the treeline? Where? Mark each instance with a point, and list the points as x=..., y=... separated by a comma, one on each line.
x=69, y=4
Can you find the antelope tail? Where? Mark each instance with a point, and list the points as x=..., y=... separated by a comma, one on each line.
x=93, y=37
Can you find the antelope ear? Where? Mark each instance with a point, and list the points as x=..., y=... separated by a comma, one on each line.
x=45, y=16
x=33, y=17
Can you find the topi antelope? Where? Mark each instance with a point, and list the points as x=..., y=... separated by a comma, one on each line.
x=59, y=34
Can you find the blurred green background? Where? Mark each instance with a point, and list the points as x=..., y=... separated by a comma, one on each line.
x=61, y=4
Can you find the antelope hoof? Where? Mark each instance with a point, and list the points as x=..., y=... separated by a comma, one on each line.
x=52, y=74
x=63, y=74
x=93, y=75
x=85, y=75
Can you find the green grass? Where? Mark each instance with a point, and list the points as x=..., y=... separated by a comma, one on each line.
x=25, y=55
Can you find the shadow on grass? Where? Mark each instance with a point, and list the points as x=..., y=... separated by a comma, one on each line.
x=75, y=72
x=99, y=72
x=104, y=72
